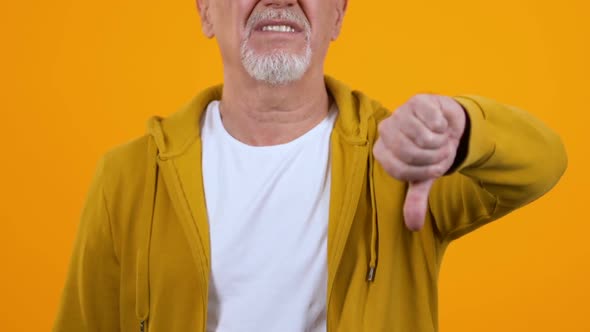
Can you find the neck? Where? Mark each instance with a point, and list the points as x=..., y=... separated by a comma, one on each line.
x=258, y=114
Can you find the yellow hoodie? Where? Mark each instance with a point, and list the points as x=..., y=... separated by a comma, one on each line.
x=141, y=258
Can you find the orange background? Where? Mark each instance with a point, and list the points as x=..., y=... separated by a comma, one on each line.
x=79, y=77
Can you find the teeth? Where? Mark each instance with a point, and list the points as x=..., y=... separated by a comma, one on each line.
x=278, y=28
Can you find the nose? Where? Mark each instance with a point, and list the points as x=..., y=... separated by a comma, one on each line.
x=279, y=3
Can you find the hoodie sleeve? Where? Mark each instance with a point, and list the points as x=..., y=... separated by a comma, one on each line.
x=90, y=299
x=512, y=158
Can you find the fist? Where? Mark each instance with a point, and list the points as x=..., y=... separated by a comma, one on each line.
x=418, y=144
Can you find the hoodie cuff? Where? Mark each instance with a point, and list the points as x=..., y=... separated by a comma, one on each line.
x=477, y=144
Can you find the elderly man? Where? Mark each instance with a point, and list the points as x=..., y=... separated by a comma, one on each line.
x=283, y=201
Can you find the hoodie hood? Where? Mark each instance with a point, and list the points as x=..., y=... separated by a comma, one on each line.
x=175, y=133
x=171, y=138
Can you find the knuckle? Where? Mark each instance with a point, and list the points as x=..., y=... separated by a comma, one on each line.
x=429, y=139
x=436, y=158
x=420, y=97
x=419, y=141
x=378, y=149
x=400, y=114
x=444, y=154
x=441, y=124
x=412, y=135
x=437, y=124
x=415, y=101
x=437, y=171
x=392, y=170
x=425, y=140
x=395, y=169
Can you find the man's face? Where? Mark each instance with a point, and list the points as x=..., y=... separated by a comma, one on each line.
x=275, y=41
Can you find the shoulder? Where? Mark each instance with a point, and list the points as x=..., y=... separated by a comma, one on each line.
x=123, y=168
x=126, y=158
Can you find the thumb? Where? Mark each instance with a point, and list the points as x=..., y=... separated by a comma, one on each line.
x=416, y=204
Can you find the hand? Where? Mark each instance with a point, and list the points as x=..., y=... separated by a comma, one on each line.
x=418, y=144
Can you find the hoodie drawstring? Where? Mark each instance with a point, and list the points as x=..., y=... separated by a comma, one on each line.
x=374, y=218
x=149, y=195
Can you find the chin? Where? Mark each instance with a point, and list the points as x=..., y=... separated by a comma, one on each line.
x=276, y=67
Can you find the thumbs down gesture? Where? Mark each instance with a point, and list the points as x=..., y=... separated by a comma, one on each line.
x=418, y=143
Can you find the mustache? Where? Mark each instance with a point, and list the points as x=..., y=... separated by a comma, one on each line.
x=278, y=14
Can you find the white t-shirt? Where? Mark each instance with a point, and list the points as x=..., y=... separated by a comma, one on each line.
x=268, y=213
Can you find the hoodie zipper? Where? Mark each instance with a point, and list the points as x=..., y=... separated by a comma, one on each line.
x=142, y=326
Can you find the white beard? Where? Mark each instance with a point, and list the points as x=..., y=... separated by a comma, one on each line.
x=277, y=67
